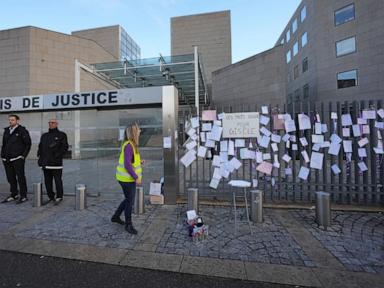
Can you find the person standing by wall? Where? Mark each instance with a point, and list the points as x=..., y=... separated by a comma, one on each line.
x=52, y=147
x=15, y=149
x=128, y=174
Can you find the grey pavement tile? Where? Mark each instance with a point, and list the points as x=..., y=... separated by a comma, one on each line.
x=356, y=239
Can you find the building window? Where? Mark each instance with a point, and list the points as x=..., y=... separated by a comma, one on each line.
x=305, y=64
x=297, y=95
x=346, y=46
x=282, y=41
x=294, y=26
x=347, y=79
x=289, y=56
x=296, y=72
x=306, y=91
x=288, y=36
x=303, y=13
x=345, y=14
x=295, y=48
x=304, y=39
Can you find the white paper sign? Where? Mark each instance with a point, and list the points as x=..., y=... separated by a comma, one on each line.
x=304, y=121
x=334, y=149
x=241, y=125
x=188, y=158
x=335, y=169
x=290, y=125
x=303, y=173
x=264, y=142
x=363, y=167
x=303, y=141
x=286, y=158
x=346, y=120
x=239, y=143
x=362, y=152
x=305, y=156
x=356, y=130
x=276, y=138
x=317, y=160
x=369, y=114
x=167, y=142
x=206, y=127
x=264, y=120
x=195, y=122
x=201, y=151
x=347, y=146
x=363, y=141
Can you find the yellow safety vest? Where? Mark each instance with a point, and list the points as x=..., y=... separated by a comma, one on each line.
x=122, y=173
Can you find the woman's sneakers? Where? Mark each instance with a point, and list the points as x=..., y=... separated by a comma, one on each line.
x=130, y=229
x=22, y=200
x=117, y=220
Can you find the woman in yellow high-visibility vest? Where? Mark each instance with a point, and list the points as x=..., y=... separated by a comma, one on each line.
x=129, y=174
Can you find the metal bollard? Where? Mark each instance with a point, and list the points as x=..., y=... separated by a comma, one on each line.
x=193, y=199
x=139, y=201
x=257, y=206
x=38, y=192
x=81, y=197
x=323, y=209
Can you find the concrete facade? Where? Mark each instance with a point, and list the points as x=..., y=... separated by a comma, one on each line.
x=241, y=81
x=323, y=64
x=257, y=79
x=37, y=61
x=211, y=32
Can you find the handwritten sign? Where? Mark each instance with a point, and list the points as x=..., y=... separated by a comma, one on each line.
x=241, y=125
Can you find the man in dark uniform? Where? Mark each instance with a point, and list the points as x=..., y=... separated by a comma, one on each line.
x=52, y=148
x=16, y=146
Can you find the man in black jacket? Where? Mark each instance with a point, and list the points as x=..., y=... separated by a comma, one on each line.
x=52, y=148
x=16, y=146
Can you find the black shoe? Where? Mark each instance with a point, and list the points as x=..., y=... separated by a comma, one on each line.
x=129, y=228
x=118, y=220
x=22, y=200
x=58, y=200
x=10, y=199
x=51, y=200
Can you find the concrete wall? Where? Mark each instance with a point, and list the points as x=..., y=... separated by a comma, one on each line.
x=107, y=37
x=259, y=79
x=14, y=62
x=211, y=32
x=37, y=61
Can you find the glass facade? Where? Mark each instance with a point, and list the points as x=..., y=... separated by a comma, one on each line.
x=95, y=138
x=345, y=14
x=128, y=48
x=346, y=46
x=347, y=79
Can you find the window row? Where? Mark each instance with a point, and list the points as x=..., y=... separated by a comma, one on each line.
x=294, y=25
x=295, y=47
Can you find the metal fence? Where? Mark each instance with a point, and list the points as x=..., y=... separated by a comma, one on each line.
x=350, y=186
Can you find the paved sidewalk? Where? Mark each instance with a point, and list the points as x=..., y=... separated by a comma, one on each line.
x=287, y=248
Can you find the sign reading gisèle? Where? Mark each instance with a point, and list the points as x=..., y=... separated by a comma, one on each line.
x=69, y=100
x=241, y=125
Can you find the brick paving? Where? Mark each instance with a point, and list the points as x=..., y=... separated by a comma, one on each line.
x=355, y=239
x=270, y=242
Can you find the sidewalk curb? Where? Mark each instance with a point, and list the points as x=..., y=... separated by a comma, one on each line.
x=235, y=269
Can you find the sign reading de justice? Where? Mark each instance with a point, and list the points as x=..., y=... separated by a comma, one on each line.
x=54, y=101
